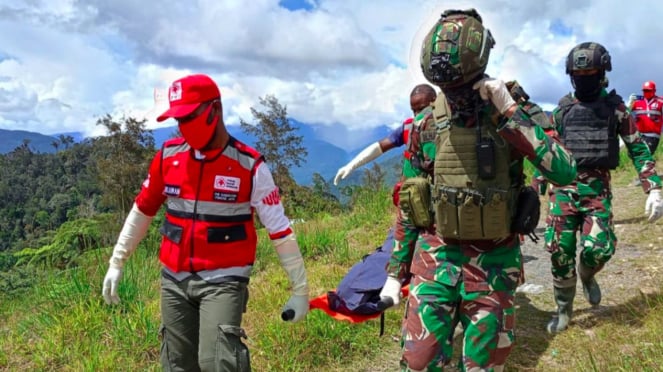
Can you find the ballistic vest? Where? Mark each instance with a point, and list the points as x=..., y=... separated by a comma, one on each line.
x=466, y=206
x=589, y=131
x=209, y=218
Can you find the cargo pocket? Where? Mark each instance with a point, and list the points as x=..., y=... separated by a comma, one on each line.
x=227, y=234
x=414, y=200
x=231, y=353
x=171, y=231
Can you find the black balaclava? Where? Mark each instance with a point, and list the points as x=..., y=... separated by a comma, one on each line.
x=464, y=100
x=587, y=87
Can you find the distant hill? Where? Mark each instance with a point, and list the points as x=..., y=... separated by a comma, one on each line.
x=11, y=139
x=323, y=156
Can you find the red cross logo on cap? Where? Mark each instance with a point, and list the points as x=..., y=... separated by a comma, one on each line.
x=175, y=91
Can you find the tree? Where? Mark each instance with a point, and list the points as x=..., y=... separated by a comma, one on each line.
x=122, y=160
x=277, y=140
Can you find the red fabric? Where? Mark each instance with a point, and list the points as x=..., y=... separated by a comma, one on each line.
x=394, y=194
x=407, y=128
x=187, y=93
x=648, y=115
x=213, y=193
x=321, y=303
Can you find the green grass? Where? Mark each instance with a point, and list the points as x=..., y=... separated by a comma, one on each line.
x=63, y=323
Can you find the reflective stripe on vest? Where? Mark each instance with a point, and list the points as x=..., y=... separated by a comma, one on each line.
x=648, y=115
x=209, y=211
x=209, y=219
x=214, y=275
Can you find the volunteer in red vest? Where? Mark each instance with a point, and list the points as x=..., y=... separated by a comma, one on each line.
x=648, y=112
x=420, y=97
x=211, y=184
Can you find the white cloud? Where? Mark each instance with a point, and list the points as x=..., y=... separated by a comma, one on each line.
x=344, y=63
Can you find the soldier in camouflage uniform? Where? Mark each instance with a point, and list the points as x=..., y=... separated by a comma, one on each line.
x=466, y=262
x=586, y=204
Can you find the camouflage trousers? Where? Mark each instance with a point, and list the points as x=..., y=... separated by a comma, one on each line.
x=569, y=213
x=473, y=284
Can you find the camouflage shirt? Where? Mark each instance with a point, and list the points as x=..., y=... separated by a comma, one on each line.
x=528, y=140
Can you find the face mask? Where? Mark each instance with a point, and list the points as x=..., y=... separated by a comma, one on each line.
x=463, y=100
x=648, y=94
x=587, y=87
x=199, y=132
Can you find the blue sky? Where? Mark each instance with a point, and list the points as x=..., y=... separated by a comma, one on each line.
x=65, y=63
x=297, y=4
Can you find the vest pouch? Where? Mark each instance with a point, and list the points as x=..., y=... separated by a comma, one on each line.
x=469, y=216
x=415, y=200
x=446, y=212
x=496, y=217
x=528, y=211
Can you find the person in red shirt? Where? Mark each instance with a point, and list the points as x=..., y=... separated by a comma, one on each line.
x=648, y=112
x=211, y=184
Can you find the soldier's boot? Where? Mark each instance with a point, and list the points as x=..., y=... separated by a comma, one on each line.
x=590, y=288
x=564, y=299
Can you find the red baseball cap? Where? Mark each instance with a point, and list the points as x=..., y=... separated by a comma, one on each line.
x=187, y=93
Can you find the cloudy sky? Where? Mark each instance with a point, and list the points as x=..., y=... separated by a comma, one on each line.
x=350, y=63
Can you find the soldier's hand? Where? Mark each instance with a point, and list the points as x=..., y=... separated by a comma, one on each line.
x=391, y=291
x=495, y=90
x=654, y=205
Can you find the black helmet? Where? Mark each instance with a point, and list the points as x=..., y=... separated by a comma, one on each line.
x=588, y=56
x=456, y=49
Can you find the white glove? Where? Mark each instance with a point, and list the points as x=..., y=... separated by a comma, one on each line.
x=496, y=91
x=293, y=264
x=392, y=290
x=366, y=155
x=299, y=304
x=654, y=205
x=342, y=173
x=631, y=100
x=134, y=229
x=111, y=282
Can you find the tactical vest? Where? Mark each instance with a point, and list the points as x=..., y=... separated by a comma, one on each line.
x=464, y=206
x=589, y=131
x=468, y=207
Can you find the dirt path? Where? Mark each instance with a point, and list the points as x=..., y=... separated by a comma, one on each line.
x=634, y=270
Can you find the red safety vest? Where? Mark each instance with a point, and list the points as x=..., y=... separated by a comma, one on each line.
x=209, y=218
x=407, y=128
x=648, y=115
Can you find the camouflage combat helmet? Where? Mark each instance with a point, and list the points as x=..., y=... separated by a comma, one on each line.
x=456, y=49
x=588, y=56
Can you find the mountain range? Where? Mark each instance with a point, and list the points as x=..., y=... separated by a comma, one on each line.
x=328, y=147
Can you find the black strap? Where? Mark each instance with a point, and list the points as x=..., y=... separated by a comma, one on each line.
x=381, y=323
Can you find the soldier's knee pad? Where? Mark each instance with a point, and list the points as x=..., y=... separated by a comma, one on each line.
x=231, y=353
